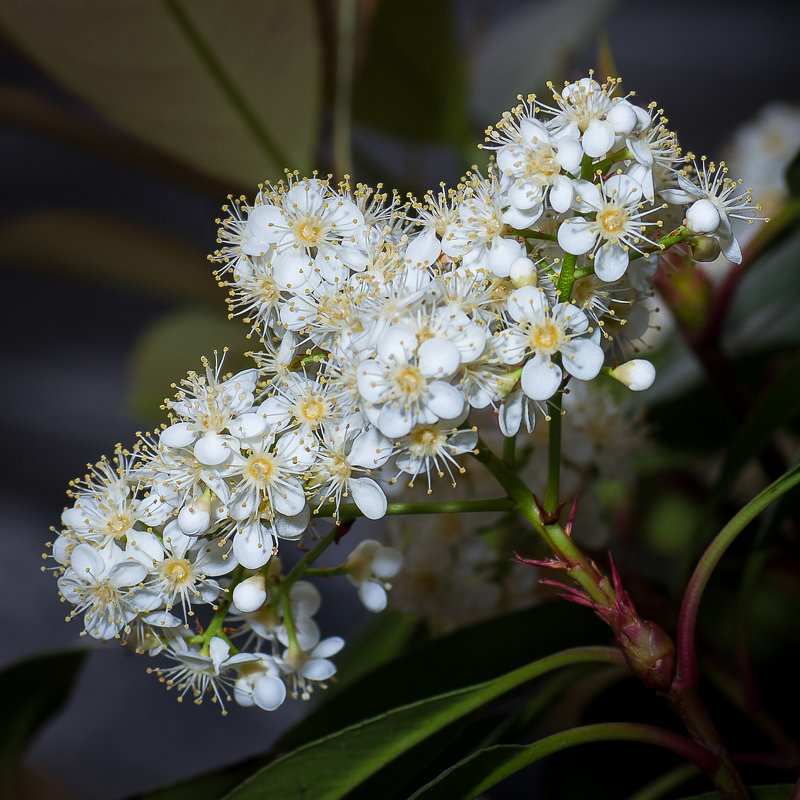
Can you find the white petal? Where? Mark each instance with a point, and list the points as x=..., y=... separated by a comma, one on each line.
x=126, y=573
x=622, y=117
x=289, y=499
x=598, y=138
x=569, y=154
x=540, y=378
x=394, y=422
x=306, y=598
x=211, y=449
x=637, y=374
x=292, y=527
x=438, y=358
x=582, y=358
x=502, y=253
x=424, y=248
x=177, y=435
x=269, y=692
x=373, y=596
x=328, y=647
x=368, y=496
x=446, y=401
x=249, y=548
x=510, y=413
x=577, y=236
x=702, y=216
x=397, y=344
x=370, y=449
x=611, y=262
x=561, y=194
x=250, y=594
x=370, y=380
x=318, y=669
x=194, y=520
x=387, y=562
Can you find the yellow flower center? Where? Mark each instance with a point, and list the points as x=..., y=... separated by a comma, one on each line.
x=104, y=592
x=120, y=525
x=309, y=232
x=176, y=571
x=612, y=221
x=545, y=337
x=261, y=468
x=426, y=440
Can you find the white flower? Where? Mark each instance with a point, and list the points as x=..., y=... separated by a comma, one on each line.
x=434, y=447
x=637, y=374
x=543, y=332
x=260, y=684
x=302, y=666
x=406, y=384
x=103, y=582
x=370, y=565
x=714, y=203
x=616, y=228
x=198, y=674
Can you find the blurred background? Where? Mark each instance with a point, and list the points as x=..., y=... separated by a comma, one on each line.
x=122, y=129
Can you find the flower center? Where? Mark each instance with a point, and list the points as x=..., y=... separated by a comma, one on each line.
x=426, y=440
x=612, y=221
x=119, y=525
x=177, y=571
x=261, y=469
x=311, y=410
x=545, y=337
x=104, y=592
x=409, y=382
x=309, y=232
x=340, y=469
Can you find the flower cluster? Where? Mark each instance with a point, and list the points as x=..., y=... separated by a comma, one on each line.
x=383, y=325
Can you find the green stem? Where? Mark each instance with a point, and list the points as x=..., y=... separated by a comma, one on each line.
x=553, y=490
x=343, y=100
x=686, y=677
x=674, y=237
x=527, y=233
x=580, y=568
x=215, y=626
x=583, y=272
x=327, y=572
x=566, y=277
x=510, y=450
x=299, y=569
x=288, y=619
x=349, y=511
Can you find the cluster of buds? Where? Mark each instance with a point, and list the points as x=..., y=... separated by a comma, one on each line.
x=383, y=324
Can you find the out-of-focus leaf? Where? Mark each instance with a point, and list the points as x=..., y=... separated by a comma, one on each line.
x=382, y=638
x=35, y=114
x=489, y=766
x=31, y=692
x=331, y=767
x=232, y=90
x=776, y=408
x=764, y=309
x=411, y=81
x=528, y=48
x=172, y=346
x=793, y=176
x=108, y=250
x=452, y=662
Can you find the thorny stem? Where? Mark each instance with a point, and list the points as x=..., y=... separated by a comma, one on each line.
x=616, y=611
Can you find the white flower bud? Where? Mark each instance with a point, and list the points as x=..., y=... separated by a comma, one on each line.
x=523, y=272
x=637, y=375
x=702, y=217
x=250, y=594
x=195, y=518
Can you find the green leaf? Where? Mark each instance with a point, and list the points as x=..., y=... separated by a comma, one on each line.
x=234, y=92
x=31, y=692
x=175, y=344
x=331, y=767
x=108, y=250
x=452, y=662
x=401, y=93
x=528, y=48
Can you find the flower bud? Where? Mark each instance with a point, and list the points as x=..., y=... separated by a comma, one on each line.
x=250, y=594
x=523, y=272
x=637, y=374
x=706, y=248
x=702, y=217
x=195, y=518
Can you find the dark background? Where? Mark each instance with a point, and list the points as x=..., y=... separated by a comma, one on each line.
x=66, y=344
